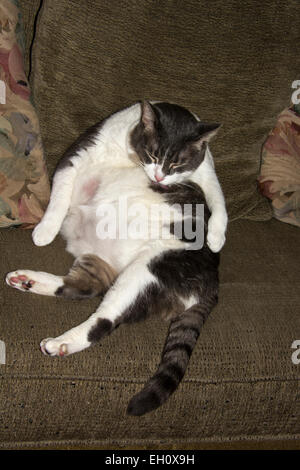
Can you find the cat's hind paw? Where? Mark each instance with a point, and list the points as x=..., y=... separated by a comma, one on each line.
x=36, y=282
x=63, y=345
x=53, y=347
x=20, y=280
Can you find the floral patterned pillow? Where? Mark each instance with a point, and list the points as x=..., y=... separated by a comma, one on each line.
x=24, y=183
x=279, y=178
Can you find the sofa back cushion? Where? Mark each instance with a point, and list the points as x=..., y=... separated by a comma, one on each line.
x=231, y=62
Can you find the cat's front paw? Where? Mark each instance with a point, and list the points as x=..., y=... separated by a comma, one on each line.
x=216, y=232
x=216, y=241
x=44, y=234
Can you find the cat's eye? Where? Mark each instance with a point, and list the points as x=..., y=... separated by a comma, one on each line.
x=176, y=165
x=152, y=157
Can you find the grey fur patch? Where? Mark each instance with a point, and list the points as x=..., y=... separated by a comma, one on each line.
x=89, y=276
x=84, y=141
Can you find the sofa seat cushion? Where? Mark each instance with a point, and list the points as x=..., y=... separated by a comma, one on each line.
x=241, y=382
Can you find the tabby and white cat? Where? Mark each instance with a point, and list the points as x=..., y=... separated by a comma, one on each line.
x=153, y=153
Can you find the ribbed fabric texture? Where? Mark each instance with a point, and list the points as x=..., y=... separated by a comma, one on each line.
x=232, y=62
x=241, y=382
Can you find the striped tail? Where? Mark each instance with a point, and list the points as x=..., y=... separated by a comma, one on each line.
x=181, y=340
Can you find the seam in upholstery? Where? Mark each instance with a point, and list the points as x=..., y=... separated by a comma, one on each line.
x=33, y=38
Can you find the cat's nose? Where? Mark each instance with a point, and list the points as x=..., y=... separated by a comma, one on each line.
x=159, y=177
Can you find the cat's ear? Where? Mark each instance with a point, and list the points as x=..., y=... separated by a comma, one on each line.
x=206, y=131
x=148, y=117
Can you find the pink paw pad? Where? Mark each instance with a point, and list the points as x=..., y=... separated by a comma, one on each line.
x=21, y=280
x=63, y=350
x=53, y=349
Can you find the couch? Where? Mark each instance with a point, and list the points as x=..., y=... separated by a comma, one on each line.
x=233, y=62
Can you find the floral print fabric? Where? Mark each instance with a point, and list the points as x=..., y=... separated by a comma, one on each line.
x=279, y=178
x=24, y=184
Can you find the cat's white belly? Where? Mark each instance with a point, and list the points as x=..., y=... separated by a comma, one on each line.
x=100, y=199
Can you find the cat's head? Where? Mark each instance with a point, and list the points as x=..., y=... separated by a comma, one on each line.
x=170, y=142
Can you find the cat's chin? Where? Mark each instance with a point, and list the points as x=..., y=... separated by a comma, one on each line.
x=159, y=186
x=165, y=186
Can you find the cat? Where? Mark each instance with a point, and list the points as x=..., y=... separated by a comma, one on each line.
x=154, y=153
